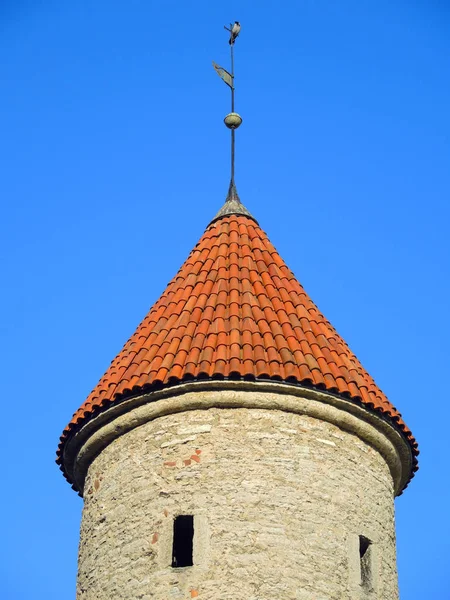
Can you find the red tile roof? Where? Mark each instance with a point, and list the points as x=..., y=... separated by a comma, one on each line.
x=235, y=310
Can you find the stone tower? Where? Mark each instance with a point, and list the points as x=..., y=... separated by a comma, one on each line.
x=236, y=448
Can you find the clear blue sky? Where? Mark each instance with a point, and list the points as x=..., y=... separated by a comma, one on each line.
x=114, y=158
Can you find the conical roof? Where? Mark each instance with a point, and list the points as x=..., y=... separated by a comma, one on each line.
x=235, y=310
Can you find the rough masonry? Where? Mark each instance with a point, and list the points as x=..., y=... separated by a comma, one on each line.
x=279, y=501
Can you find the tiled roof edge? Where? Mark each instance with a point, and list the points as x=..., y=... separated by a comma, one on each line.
x=73, y=428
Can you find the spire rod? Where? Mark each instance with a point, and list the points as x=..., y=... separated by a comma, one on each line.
x=233, y=203
x=233, y=137
x=232, y=120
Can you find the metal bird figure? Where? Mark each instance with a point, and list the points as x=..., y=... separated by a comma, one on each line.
x=234, y=32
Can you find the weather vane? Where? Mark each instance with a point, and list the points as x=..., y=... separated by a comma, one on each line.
x=232, y=120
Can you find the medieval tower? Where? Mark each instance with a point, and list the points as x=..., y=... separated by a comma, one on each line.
x=236, y=448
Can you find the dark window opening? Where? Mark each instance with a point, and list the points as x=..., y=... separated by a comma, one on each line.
x=365, y=561
x=364, y=544
x=183, y=537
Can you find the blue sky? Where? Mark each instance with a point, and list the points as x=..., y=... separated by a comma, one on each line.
x=114, y=158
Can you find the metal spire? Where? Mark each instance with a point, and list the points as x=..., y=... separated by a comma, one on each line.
x=233, y=203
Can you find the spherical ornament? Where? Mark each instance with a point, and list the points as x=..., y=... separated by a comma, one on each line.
x=233, y=120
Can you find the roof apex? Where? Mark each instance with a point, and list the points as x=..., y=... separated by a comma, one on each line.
x=233, y=205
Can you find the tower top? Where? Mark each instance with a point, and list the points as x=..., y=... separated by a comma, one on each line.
x=235, y=311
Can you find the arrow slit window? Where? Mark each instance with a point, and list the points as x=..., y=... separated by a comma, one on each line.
x=366, y=563
x=183, y=540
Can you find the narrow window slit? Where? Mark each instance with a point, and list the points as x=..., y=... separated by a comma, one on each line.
x=365, y=562
x=183, y=537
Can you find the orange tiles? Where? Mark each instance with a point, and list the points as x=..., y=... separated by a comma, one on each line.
x=234, y=309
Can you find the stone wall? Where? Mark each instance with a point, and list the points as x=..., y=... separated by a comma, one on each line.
x=279, y=502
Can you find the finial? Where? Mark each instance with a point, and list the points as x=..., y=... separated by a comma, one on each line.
x=234, y=30
x=232, y=121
